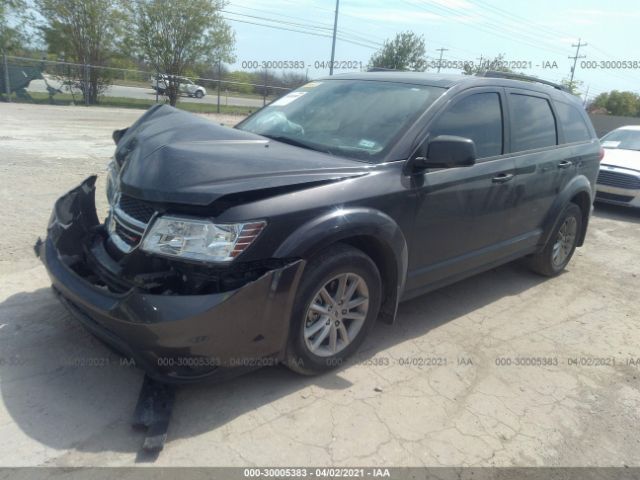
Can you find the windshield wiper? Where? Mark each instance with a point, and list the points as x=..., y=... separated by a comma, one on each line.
x=297, y=143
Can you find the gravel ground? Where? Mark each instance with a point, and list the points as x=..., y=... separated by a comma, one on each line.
x=66, y=400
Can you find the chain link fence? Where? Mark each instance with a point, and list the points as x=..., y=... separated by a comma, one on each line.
x=60, y=82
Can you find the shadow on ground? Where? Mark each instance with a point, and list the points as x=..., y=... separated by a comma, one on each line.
x=615, y=212
x=64, y=389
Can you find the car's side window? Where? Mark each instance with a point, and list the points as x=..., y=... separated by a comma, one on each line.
x=573, y=124
x=532, y=123
x=478, y=117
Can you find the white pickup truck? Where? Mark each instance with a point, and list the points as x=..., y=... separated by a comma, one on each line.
x=186, y=86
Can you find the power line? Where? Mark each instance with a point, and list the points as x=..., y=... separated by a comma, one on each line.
x=280, y=21
x=305, y=32
x=517, y=18
x=326, y=26
x=439, y=10
x=315, y=27
x=525, y=24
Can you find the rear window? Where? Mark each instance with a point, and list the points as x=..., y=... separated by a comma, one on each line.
x=533, y=123
x=573, y=124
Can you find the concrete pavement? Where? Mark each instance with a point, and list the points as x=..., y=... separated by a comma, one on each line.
x=505, y=368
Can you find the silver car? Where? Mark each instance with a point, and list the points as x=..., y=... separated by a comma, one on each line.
x=185, y=86
x=619, y=178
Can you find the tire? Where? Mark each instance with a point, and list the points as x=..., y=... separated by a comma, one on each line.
x=325, y=271
x=199, y=94
x=561, y=245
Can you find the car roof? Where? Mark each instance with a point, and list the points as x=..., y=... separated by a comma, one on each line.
x=449, y=81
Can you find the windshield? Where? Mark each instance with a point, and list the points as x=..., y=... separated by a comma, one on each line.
x=623, y=139
x=360, y=119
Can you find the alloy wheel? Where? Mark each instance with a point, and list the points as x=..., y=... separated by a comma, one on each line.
x=336, y=314
x=564, y=241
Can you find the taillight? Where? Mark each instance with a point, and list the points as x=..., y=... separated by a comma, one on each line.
x=601, y=156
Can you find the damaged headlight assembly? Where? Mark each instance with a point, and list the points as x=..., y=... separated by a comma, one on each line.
x=113, y=182
x=198, y=239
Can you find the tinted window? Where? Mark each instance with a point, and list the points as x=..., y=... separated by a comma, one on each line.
x=575, y=129
x=533, y=124
x=478, y=117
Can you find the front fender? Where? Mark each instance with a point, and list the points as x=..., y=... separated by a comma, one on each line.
x=579, y=187
x=376, y=233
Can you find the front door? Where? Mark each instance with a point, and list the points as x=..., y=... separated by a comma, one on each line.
x=462, y=213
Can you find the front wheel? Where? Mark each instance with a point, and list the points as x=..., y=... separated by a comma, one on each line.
x=199, y=94
x=562, y=244
x=338, y=303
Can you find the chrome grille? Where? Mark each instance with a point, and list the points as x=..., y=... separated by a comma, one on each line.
x=129, y=237
x=125, y=234
x=619, y=180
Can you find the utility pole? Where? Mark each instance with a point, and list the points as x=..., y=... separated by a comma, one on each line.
x=575, y=58
x=333, y=43
x=219, y=75
x=5, y=68
x=441, y=50
x=586, y=96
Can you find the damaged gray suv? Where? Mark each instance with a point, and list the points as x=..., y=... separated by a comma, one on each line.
x=285, y=238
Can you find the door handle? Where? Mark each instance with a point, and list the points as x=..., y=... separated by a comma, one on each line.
x=502, y=178
x=565, y=164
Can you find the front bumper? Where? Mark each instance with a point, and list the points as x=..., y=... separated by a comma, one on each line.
x=174, y=338
x=624, y=191
x=618, y=196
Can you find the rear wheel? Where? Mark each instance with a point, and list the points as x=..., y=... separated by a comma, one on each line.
x=562, y=244
x=338, y=302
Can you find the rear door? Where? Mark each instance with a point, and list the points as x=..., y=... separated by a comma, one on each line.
x=542, y=167
x=462, y=212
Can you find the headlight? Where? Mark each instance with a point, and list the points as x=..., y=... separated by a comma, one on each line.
x=113, y=182
x=199, y=239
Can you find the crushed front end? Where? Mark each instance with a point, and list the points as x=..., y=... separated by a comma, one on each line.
x=180, y=321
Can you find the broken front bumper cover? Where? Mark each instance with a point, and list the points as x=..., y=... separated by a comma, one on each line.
x=175, y=338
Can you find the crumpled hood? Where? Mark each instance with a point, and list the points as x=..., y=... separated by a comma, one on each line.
x=173, y=156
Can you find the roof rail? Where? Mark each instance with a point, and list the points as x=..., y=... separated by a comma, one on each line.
x=518, y=76
x=382, y=69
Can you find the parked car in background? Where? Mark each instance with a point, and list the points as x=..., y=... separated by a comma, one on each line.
x=619, y=178
x=185, y=85
x=286, y=237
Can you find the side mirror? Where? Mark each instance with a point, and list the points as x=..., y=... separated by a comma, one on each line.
x=448, y=151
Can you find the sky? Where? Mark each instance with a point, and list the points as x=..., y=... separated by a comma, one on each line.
x=536, y=33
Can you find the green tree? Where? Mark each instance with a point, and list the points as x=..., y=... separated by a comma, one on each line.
x=86, y=32
x=625, y=104
x=573, y=86
x=496, y=64
x=12, y=36
x=174, y=37
x=405, y=52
